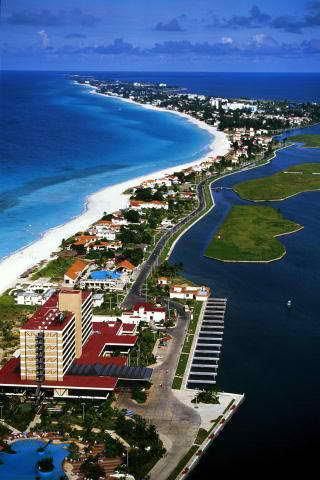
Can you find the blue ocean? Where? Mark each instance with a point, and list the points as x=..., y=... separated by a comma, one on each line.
x=59, y=143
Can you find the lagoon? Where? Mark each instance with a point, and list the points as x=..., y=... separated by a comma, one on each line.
x=270, y=352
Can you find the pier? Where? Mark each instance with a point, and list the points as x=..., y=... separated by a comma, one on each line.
x=203, y=367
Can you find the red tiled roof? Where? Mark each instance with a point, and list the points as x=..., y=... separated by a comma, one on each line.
x=106, y=334
x=128, y=327
x=10, y=375
x=137, y=203
x=126, y=264
x=48, y=315
x=76, y=268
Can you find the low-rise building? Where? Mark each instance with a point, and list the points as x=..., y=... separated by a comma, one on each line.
x=140, y=204
x=125, y=266
x=33, y=297
x=189, y=292
x=144, y=312
x=104, y=280
x=75, y=272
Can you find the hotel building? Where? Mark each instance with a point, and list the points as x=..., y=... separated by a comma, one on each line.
x=63, y=353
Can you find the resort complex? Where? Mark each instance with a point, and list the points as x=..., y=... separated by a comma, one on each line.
x=106, y=345
x=65, y=354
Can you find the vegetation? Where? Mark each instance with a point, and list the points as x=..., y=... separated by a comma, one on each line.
x=312, y=140
x=146, y=446
x=112, y=447
x=141, y=354
x=90, y=469
x=167, y=269
x=132, y=216
x=135, y=234
x=183, y=462
x=45, y=464
x=147, y=194
x=16, y=412
x=54, y=269
x=134, y=255
x=12, y=316
x=139, y=394
x=201, y=436
x=74, y=451
x=207, y=396
x=110, y=304
x=294, y=180
x=248, y=234
x=184, y=356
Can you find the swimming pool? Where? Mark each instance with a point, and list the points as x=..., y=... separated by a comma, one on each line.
x=22, y=465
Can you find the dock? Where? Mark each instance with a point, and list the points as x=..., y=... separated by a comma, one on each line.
x=203, y=367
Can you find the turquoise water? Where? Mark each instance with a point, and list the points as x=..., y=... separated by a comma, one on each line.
x=22, y=465
x=59, y=144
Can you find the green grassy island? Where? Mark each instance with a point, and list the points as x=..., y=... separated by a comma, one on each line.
x=312, y=141
x=248, y=235
x=300, y=178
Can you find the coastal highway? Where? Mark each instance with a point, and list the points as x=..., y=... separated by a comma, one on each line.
x=134, y=293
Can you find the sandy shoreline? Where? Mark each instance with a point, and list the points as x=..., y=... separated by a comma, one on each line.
x=108, y=199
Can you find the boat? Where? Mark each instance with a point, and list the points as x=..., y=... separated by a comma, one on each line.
x=289, y=303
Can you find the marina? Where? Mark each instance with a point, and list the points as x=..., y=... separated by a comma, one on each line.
x=205, y=359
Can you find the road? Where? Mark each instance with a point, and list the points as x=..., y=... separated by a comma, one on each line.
x=134, y=293
x=176, y=423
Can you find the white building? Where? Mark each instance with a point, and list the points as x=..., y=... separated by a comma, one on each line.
x=189, y=292
x=32, y=297
x=75, y=272
x=144, y=312
x=140, y=205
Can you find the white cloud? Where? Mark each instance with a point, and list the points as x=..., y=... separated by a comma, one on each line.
x=44, y=38
x=226, y=40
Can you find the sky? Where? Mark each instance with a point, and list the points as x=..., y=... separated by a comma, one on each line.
x=162, y=35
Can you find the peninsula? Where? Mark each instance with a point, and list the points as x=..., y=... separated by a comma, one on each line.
x=287, y=183
x=249, y=235
x=310, y=141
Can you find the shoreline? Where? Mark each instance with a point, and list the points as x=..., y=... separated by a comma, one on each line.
x=277, y=199
x=107, y=199
x=301, y=227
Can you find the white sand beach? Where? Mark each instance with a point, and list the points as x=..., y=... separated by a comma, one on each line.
x=107, y=200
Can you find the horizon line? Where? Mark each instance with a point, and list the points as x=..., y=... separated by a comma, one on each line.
x=156, y=71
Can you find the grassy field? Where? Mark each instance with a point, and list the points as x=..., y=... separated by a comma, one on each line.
x=11, y=317
x=297, y=179
x=308, y=140
x=54, y=269
x=248, y=234
x=186, y=348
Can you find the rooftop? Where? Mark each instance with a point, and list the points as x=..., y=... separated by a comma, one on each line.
x=148, y=307
x=10, y=375
x=126, y=265
x=104, y=334
x=76, y=269
x=49, y=317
